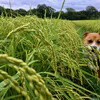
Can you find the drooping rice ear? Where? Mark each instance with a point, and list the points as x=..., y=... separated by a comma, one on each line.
x=85, y=34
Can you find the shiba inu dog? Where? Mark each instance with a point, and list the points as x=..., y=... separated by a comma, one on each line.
x=92, y=41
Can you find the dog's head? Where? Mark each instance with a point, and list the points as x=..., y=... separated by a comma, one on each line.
x=92, y=40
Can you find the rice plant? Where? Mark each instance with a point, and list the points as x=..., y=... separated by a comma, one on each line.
x=52, y=64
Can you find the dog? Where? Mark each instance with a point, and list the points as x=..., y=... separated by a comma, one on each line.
x=92, y=43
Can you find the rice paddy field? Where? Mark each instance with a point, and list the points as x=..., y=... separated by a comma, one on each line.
x=43, y=59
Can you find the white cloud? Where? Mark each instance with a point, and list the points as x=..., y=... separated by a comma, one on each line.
x=51, y=0
x=82, y=4
x=25, y=4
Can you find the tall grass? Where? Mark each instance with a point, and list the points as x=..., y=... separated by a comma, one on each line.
x=53, y=52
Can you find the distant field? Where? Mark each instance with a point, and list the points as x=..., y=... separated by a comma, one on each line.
x=44, y=60
x=89, y=25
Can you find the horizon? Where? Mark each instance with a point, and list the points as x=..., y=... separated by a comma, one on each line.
x=78, y=5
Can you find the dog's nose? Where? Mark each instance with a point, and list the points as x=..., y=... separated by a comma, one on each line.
x=94, y=47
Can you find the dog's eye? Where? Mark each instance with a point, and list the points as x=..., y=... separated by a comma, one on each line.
x=90, y=41
x=98, y=42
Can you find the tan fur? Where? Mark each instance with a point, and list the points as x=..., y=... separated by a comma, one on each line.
x=95, y=37
x=92, y=41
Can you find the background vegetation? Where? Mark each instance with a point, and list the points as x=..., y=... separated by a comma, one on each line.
x=70, y=13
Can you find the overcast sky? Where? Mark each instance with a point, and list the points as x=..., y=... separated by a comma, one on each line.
x=56, y=4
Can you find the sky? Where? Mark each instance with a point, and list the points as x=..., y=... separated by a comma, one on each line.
x=78, y=5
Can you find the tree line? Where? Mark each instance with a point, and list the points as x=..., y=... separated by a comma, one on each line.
x=43, y=10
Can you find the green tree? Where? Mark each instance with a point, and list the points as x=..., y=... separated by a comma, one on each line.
x=33, y=11
x=92, y=12
x=49, y=11
x=22, y=12
x=70, y=13
x=70, y=10
x=91, y=9
x=1, y=10
x=41, y=10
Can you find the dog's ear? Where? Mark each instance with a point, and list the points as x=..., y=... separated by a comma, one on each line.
x=99, y=33
x=85, y=34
